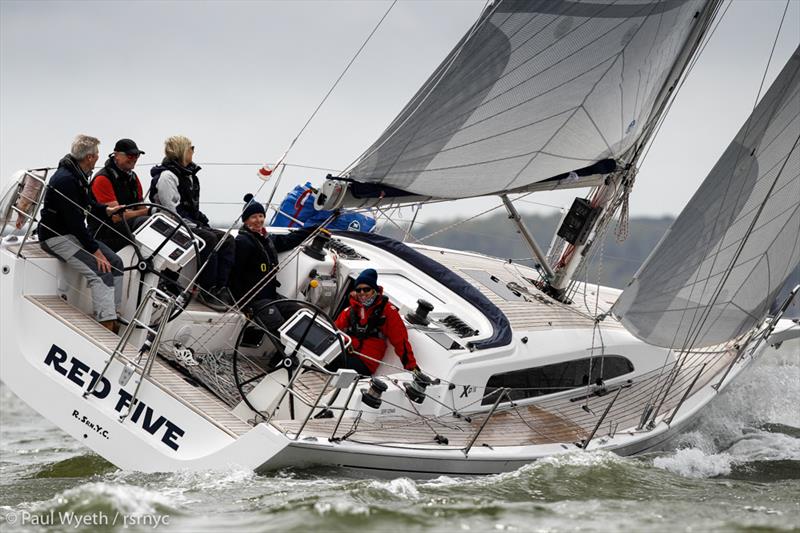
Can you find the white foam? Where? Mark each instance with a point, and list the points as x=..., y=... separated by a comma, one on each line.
x=694, y=463
x=402, y=487
x=212, y=479
x=768, y=392
x=127, y=499
x=766, y=446
x=340, y=507
x=443, y=481
x=580, y=458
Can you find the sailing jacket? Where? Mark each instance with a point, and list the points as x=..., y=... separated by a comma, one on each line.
x=178, y=188
x=111, y=184
x=66, y=203
x=370, y=327
x=257, y=256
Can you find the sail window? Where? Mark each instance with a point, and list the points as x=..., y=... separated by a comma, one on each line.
x=558, y=377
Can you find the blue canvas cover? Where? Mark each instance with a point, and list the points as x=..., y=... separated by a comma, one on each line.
x=299, y=204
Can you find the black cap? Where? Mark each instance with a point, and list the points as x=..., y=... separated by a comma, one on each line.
x=127, y=146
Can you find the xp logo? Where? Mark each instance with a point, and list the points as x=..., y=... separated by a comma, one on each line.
x=354, y=226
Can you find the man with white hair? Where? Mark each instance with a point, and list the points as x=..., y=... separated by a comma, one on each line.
x=63, y=231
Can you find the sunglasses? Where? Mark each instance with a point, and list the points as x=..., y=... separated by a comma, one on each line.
x=364, y=289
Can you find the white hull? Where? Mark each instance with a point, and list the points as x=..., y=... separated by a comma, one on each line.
x=50, y=354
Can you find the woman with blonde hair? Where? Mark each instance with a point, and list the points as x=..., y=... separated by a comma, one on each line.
x=175, y=185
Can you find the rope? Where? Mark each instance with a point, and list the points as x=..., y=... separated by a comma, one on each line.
x=622, y=231
x=325, y=98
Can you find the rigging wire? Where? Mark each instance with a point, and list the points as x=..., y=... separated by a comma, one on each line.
x=696, y=326
x=771, y=52
x=336, y=83
x=434, y=83
x=456, y=224
x=689, y=69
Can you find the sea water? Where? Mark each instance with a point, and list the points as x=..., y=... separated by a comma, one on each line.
x=737, y=470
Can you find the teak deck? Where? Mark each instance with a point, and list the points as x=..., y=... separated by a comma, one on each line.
x=567, y=419
x=162, y=375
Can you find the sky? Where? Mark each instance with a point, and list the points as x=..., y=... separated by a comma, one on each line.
x=241, y=78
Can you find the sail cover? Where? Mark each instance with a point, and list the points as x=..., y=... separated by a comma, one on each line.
x=536, y=90
x=724, y=260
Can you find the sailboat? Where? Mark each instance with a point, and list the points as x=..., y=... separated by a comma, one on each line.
x=519, y=362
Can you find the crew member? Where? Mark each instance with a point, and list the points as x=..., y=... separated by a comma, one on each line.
x=256, y=258
x=117, y=184
x=370, y=321
x=63, y=232
x=175, y=185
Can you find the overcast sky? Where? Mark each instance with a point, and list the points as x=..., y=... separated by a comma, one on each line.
x=241, y=78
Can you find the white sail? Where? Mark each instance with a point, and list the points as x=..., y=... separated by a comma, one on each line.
x=535, y=91
x=726, y=257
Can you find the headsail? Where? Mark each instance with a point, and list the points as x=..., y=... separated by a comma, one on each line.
x=549, y=92
x=726, y=257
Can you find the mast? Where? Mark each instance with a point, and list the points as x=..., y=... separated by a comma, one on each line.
x=607, y=197
x=526, y=234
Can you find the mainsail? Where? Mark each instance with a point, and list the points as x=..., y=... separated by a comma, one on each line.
x=537, y=95
x=726, y=257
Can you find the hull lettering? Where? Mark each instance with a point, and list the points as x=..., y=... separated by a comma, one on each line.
x=143, y=415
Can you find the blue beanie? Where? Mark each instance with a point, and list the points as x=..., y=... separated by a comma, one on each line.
x=368, y=277
x=251, y=207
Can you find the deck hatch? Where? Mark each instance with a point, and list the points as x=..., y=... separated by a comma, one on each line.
x=494, y=284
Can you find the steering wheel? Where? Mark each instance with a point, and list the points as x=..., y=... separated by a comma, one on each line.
x=288, y=361
x=144, y=262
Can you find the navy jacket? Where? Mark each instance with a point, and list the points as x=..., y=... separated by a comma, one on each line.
x=256, y=256
x=66, y=203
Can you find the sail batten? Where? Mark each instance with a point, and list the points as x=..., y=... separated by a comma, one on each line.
x=533, y=91
x=727, y=256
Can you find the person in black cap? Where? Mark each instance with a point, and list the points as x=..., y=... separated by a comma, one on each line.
x=256, y=258
x=116, y=184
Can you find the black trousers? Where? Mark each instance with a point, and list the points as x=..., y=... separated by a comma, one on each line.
x=271, y=316
x=351, y=361
x=218, y=265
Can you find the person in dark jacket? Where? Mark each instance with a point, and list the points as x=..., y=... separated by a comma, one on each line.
x=63, y=232
x=117, y=184
x=175, y=185
x=370, y=321
x=256, y=258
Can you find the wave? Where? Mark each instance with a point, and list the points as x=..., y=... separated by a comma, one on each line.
x=108, y=498
x=79, y=466
x=753, y=423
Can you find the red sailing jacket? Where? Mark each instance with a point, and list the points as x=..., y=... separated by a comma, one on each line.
x=392, y=329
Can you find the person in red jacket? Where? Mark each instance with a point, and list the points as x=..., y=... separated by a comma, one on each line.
x=116, y=184
x=370, y=321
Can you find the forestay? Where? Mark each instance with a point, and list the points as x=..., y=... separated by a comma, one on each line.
x=726, y=257
x=552, y=91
